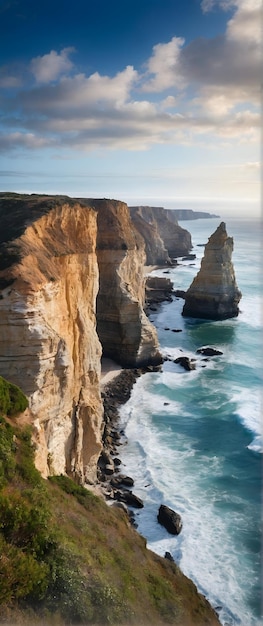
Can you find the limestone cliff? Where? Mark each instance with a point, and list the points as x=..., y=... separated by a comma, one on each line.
x=56, y=254
x=213, y=293
x=156, y=253
x=125, y=332
x=164, y=238
x=48, y=340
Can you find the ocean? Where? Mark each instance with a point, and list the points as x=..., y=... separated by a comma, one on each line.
x=193, y=440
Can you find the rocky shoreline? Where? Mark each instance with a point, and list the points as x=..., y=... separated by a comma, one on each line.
x=113, y=485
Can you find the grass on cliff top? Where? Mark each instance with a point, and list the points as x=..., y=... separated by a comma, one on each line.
x=68, y=558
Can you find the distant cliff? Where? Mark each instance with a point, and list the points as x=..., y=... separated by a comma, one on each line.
x=213, y=293
x=188, y=214
x=164, y=238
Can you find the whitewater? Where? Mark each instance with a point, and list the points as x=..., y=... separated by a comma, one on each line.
x=193, y=440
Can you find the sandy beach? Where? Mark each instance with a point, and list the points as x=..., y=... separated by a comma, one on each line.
x=109, y=370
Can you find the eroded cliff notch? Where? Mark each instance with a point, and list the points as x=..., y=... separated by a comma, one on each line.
x=213, y=293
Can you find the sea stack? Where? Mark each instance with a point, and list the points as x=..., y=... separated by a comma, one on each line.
x=214, y=293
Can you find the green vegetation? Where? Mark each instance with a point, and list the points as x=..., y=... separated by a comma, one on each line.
x=68, y=558
x=12, y=399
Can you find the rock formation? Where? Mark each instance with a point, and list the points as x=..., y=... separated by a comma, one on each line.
x=162, y=233
x=157, y=289
x=171, y=520
x=125, y=332
x=213, y=293
x=56, y=254
x=146, y=225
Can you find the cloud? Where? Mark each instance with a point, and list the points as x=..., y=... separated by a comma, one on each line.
x=185, y=92
x=209, y=5
x=7, y=82
x=246, y=25
x=49, y=67
x=164, y=67
x=22, y=140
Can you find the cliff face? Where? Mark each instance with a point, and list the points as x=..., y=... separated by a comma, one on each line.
x=124, y=330
x=171, y=238
x=48, y=340
x=144, y=222
x=213, y=293
x=69, y=272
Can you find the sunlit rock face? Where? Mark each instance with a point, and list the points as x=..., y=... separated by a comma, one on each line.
x=213, y=293
x=48, y=341
x=62, y=263
x=164, y=238
x=125, y=332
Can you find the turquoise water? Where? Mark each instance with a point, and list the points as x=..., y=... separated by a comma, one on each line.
x=194, y=438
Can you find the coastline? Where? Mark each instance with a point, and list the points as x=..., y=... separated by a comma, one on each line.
x=117, y=385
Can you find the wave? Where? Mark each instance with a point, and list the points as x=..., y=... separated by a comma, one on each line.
x=249, y=411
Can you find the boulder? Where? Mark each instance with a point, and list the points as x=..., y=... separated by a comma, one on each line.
x=170, y=519
x=129, y=498
x=185, y=362
x=116, y=481
x=179, y=293
x=209, y=351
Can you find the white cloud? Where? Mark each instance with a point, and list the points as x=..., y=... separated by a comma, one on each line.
x=49, y=67
x=22, y=140
x=209, y=5
x=86, y=112
x=246, y=25
x=164, y=67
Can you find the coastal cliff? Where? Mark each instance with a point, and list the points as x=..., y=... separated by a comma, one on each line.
x=164, y=238
x=66, y=555
x=71, y=287
x=125, y=333
x=48, y=341
x=213, y=293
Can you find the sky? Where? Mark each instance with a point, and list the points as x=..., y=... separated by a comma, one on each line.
x=147, y=101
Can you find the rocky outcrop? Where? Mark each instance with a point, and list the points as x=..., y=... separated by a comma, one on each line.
x=171, y=520
x=125, y=332
x=157, y=289
x=161, y=232
x=213, y=293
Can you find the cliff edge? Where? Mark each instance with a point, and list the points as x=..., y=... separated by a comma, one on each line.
x=213, y=293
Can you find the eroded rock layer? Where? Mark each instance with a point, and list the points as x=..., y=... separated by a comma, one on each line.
x=125, y=332
x=48, y=340
x=213, y=293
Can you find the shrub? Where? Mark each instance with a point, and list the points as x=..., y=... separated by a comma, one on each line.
x=12, y=399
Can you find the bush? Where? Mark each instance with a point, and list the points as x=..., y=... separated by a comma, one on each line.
x=12, y=399
x=20, y=574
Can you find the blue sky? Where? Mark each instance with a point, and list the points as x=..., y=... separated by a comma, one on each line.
x=147, y=101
